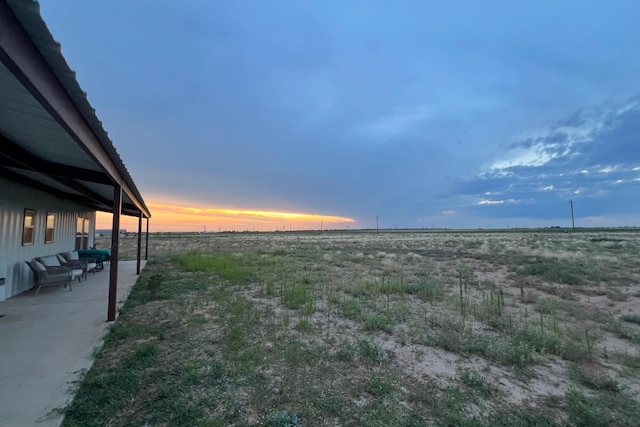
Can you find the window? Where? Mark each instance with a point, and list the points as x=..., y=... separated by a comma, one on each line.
x=82, y=233
x=29, y=227
x=50, y=226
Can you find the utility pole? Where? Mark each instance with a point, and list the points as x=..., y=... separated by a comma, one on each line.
x=573, y=221
x=377, y=229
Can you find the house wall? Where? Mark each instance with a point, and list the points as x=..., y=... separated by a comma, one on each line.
x=14, y=199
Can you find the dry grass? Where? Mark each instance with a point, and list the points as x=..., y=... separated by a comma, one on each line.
x=374, y=329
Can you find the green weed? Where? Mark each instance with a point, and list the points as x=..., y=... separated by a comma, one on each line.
x=631, y=318
x=604, y=408
x=380, y=386
x=428, y=290
x=593, y=379
x=376, y=322
x=197, y=320
x=371, y=352
x=298, y=295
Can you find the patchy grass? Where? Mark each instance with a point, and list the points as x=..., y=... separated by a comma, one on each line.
x=389, y=328
x=226, y=265
x=631, y=318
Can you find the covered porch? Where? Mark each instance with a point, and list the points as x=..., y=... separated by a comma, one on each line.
x=48, y=342
x=53, y=144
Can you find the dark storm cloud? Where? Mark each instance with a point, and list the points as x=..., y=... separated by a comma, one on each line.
x=593, y=157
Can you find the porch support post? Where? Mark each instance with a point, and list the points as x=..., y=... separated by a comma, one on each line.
x=139, y=243
x=146, y=245
x=115, y=245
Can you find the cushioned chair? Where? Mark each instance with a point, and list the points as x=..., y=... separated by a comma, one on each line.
x=74, y=265
x=53, y=261
x=73, y=256
x=43, y=276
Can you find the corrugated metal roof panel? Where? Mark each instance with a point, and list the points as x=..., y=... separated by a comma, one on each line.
x=28, y=13
x=24, y=121
x=46, y=180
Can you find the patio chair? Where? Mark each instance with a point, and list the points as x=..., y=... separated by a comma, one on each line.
x=74, y=256
x=43, y=276
x=52, y=261
x=74, y=265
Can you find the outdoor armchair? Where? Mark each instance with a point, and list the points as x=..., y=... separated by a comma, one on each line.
x=43, y=276
x=75, y=265
x=52, y=261
x=74, y=256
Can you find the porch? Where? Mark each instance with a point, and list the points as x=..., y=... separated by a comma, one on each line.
x=47, y=342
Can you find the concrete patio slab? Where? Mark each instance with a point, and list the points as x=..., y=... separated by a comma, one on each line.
x=46, y=343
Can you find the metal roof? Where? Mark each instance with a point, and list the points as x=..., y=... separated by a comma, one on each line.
x=50, y=137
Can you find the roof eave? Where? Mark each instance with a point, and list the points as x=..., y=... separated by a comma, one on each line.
x=20, y=54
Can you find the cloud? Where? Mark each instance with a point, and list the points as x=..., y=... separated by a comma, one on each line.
x=177, y=216
x=396, y=124
x=590, y=156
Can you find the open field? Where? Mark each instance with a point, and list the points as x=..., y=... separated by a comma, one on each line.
x=388, y=329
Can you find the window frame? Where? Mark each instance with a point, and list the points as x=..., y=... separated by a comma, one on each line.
x=83, y=224
x=33, y=214
x=51, y=229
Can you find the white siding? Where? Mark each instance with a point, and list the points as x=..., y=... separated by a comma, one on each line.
x=14, y=199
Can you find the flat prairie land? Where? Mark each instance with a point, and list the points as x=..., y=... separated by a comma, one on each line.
x=374, y=329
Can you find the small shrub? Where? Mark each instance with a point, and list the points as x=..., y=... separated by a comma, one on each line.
x=631, y=318
x=615, y=295
x=472, y=378
x=143, y=356
x=379, y=386
x=154, y=283
x=269, y=287
x=624, y=331
x=351, y=309
x=305, y=325
x=346, y=352
x=296, y=296
x=282, y=419
x=547, y=306
x=376, y=322
x=393, y=286
x=429, y=290
x=197, y=320
x=601, y=409
x=371, y=351
x=593, y=380
x=543, y=341
x=558, y=271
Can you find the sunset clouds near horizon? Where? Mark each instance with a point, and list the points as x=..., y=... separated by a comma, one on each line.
x=178, y=217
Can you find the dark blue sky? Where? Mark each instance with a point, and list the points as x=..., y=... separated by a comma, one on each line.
x=424, y=113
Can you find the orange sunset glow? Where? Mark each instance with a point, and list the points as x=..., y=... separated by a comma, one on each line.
x=175, y=217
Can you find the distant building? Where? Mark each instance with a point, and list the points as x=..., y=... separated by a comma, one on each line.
x=105, y=232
